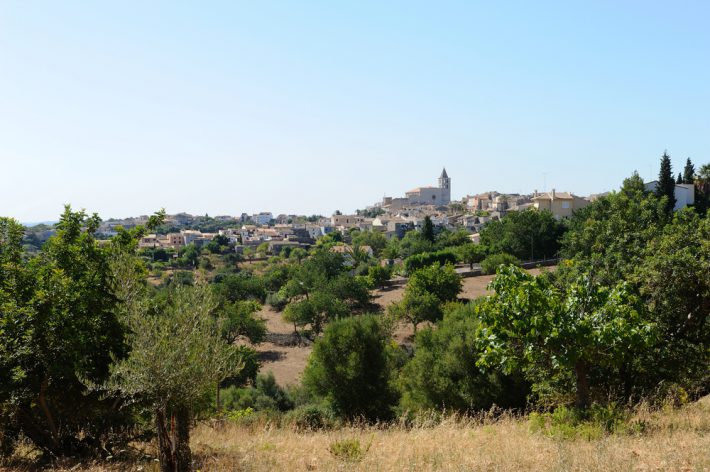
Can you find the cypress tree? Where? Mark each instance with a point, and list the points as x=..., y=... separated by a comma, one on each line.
x=688, y=173
x=666, y=184
x=679, y=180
x=428, y=229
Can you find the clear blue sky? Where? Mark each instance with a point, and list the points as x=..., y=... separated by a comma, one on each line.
x=306, y=106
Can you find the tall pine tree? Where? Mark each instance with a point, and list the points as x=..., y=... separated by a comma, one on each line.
x=666, y=183
x=428, y=229
x=679, y=180
x=688, y=173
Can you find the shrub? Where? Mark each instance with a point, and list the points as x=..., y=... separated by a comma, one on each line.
x=491, y=263
x=378, y=275
x=348, y=450
x=266, y=395
x=311, y=417
x=442, y=282
x=351, y=368
x=418, y=261
x=443, y=371
x=573, y=423
x=276, y=300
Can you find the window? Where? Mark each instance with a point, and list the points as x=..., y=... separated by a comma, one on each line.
x=565, y=205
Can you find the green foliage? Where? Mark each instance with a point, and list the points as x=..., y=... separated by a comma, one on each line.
x=674, y=279
x=452, y=239
x=470, y=253
x=443, y=373
x=563, y=332
x=311, y=417
x=492, y=263
x=240, y=320
x=351, y=368
x=378, y=275
x=58, y=323
x=666, y=184
x=349, y=450
x=412, y=243
x=418, y=261
x=264, y=395
x=241, y=286
x=374, y=239
x=319, y=291
x=571, y=423
x=177, y=356
x=416, y=307
x=609, y=237
x=441, y=281
x=527, y=235
x=428, y=229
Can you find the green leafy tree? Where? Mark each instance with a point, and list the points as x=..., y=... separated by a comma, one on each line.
x=351, y=367
x=424, y=259
x=376, y=240
x=241, y=320
x=666, y=184
x=177, y=355
x=378, y=275
x=416, y=307
x=527, y=235
x=674, y=279
x=442, y=282
x=412, y=243
x=551, y=333
x=608, y=237
x=493, y=263
x=447, y=239
x=472, y=253
x=58, y=320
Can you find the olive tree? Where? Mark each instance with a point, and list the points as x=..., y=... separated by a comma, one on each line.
x=177, y=354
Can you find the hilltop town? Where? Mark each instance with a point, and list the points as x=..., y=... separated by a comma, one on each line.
x=392, y=217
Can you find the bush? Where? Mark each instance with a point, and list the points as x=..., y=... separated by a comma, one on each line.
x=351, y=368
x=242, y=286
x=276, y=300
x=418, y=261
x=443, y=371
x=572, y=423
x=378, y=276
x=311, y=417
x=266, y=395
x=348, y=450
x=442, y=282
x=491, y=263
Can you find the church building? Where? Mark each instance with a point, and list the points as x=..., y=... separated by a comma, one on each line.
x=440, y=195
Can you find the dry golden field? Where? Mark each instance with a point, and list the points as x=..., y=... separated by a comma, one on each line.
x=673, y=440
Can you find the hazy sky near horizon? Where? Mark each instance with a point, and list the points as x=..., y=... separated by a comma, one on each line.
x=307, y=107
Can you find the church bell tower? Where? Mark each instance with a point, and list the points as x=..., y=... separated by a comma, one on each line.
x=445, y=185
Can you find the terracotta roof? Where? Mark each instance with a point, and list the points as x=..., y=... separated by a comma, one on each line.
x=558, y=196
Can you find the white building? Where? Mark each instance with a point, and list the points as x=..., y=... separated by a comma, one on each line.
x=263, y=218
x=684, y=194
x=440, y=195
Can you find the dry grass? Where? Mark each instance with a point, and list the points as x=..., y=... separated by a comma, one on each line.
x=674, y=440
